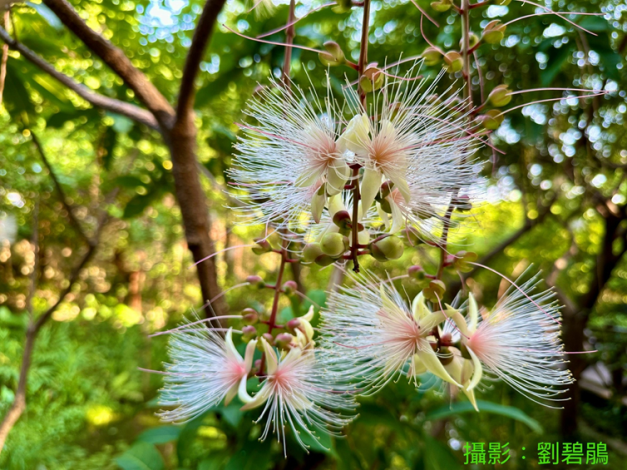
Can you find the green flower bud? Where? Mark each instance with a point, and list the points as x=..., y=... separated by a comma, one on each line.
x=500, y=96
x=290, y=287
x=342, y=219
x=284, y=341
x=332, y=244
x=494, y=32
x=435, y=291
x=372, y=79
x=255, y=281
x=454, y=61
x=311, y=252
x=416, y=272
x=442, y=5
x=462, y=259
x=389, y=248
x=473, y=40
x=248, y=332
x=324, y=260
x=411, y=236
x=334, y=51
x=262, y=246
x=250, y=316
x=431, y=56
x=492, y=119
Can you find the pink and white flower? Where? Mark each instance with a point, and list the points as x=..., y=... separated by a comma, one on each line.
x=519, y=342
x=206, y=369
x=375, y=335
x=299, y=392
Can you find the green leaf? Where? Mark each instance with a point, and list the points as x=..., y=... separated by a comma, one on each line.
x=160, y=435
x=141, y=456
x=47, y=14
x=138, y=204
x=109, y=142
x=253, y=455
x=438, y=456
x=486, y=407
x=213, y=462
x=557, y=59
x=595, y=24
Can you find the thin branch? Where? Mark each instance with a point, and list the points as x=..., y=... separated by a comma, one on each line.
x=202, y=34
x=145, y=91
x=5, y=56
x=59, y=188
x=109, y=104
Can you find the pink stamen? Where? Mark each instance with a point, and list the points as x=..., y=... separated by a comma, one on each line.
x=182, y=327
x=557, y=14
x=555, y=99
x=518, y=288
x=221, y=251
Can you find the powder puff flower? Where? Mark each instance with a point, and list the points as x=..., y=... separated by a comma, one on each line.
x=288, y=157
x=206, y=369
x=298, y=391
x=519, y=342
x=375, y=334
x=420, y=143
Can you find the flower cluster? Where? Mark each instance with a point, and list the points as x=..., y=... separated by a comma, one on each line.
x=405, y=162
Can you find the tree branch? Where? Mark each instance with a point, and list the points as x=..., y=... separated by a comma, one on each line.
x=145, y=91
x=109, y=104
x=201, y=38
x=19, y=403
x=59, y=189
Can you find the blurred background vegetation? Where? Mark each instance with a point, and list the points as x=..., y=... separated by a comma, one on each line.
x=557, y=200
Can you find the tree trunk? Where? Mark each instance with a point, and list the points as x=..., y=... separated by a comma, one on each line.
x=194, y=210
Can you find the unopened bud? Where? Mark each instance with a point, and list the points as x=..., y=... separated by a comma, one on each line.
x=342, y=219
x=262, y=245
x=500, y=96
x=411, y=236
x=463, y=259
x=342, y=6
x=473, y=39
x=494, y=32
x=255, y=281
x=389, y=248
x=442, y=5
x=386, y=189
x=431, y=56
x=283, y=340
x=372, y=79
x=292, y=325
x=435, y=291
x=311, y=252
x=290, y=287
x=324, y=260
x=250, y=316
x=454, y=61
x=416, y=272
x=332, y=244
x=333, y=55
x=492, y=119
x=248, y=332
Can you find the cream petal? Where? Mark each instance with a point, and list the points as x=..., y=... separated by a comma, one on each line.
x=309, y=177
x=370, y=186
x=249, y=355
x=389, y=305
x=337, y=175
x=231, y=351
x=398, y=221
x=473, y=313
x=231, y=394
x=419, y=307
x=458, y=318
x=271, y=357
x=471, y=397
x=478, y=373
x=383, y=215
x=400, y=183
x=317, y=204
x=356, y=137
x=427, y=323
x=433, y=365
x=259, y=399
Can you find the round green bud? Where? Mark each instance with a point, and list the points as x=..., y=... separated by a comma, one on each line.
x=441, y=6
x=431, y=56
x=332, y=244
x=454, y=61
x=494, y=32
x=283, y=340
x=289, y=287
x=492, y=119
x=311, y=252
x=389, y=248
x=256, y=281
x=249, y=316
x=473, y=40
x=435, y=291
x=500, y=96
x=325, y=260
x=262, y=246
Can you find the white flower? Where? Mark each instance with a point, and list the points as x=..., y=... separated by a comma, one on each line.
x=206, y=369
x=376, y=335
x=519, y=342
x=288, y=157
x=421, y=143
x=298, y=391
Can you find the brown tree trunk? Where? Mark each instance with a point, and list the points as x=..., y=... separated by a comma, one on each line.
x=194, y=210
